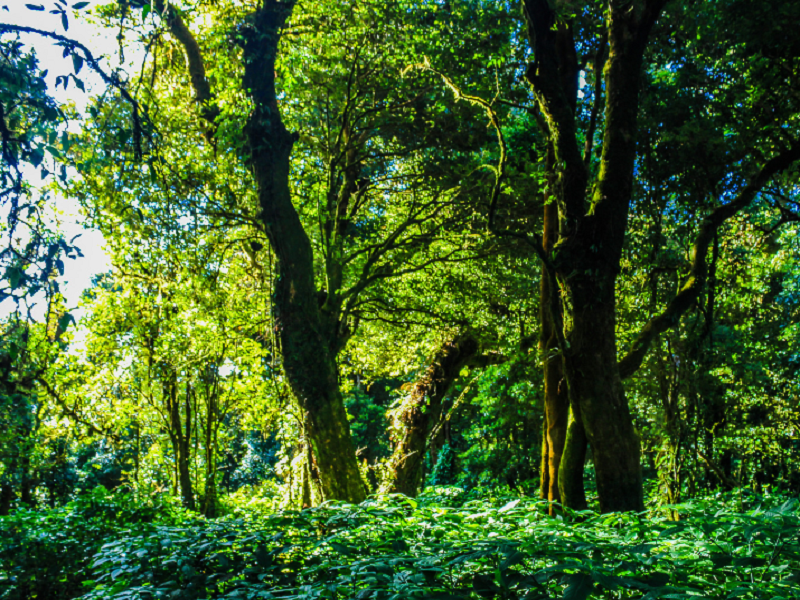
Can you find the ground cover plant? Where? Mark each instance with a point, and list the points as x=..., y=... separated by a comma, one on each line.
x=439, y=546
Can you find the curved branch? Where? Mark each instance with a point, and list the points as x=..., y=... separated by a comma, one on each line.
x=691, y=290
x=73, y=413
x=194, y=56
x=500, y=170
x=111, y=80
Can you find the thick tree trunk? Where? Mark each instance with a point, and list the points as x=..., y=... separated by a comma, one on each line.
x=421, y=412
x=596, y=389
x=308, y=358
x=587, y=257
x=556, y=415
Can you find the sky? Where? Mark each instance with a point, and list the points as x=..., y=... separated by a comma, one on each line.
x=79, y=272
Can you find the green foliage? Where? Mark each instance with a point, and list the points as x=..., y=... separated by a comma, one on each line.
x=393, y=547
x=444, y=471
x=496, y=433
x=47, y=554
x=181, y=366
x=33, y=141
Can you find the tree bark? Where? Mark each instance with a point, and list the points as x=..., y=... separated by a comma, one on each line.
x=586, y=257
x=180, y=437
x=421, y=412
x=573, y=459
x=556, y=400
x=596, y=390
x=210, y=499
x=544, y=463
x=6, y=498
x=308, y=360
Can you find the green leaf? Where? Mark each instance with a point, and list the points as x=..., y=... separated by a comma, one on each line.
x=15, y=276
x=77, y=62
x=789, y=506
x=610, y=582
x=750, y=561
x=509, y=506
x=36, y=156
x=579, y=586
x=656, y=580
x=720, y=559
x=512, y=559
x=64, y=321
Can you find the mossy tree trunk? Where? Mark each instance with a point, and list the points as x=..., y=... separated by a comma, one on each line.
x=309, y=354
x=586, y=257
x=556, y=399
x=422, y=410
x=573, y=459
x=311, y=330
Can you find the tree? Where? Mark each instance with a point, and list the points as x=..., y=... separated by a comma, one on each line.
x=360, y=196
x=593, y=221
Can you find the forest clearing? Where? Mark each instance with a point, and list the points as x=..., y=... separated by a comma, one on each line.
x=415, y=299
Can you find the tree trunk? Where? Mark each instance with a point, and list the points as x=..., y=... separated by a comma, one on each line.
x=587, y=256
x=421, y=411
x=7, y=494
x=544, y=468
x=573, y=459
x=6, y=498
x=210, y=500
x=672, y=447
x=308, y=359
x=181, y=440
x=596, y=389
x=556, y=399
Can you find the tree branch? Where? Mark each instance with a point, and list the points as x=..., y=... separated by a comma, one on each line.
x=599, y=62
x=194, y=56
x=72, y=413
x=691, y=290
x=111, y=80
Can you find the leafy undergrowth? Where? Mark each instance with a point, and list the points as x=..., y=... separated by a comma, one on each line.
x=396, y=548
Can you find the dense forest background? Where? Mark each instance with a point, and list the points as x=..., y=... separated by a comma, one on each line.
x=488, y=252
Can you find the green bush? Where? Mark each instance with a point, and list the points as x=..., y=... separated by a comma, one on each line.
x=46, y=554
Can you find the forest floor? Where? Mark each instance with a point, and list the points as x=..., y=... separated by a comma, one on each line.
x=444, y=546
